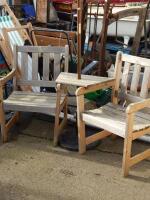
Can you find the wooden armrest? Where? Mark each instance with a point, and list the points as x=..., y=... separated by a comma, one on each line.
x=6, y=78
x=134, y=107
x=95, y=87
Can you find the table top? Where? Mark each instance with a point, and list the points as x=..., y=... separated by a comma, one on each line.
x=85, y=81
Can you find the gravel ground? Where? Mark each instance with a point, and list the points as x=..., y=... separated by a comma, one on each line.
x=32, y=169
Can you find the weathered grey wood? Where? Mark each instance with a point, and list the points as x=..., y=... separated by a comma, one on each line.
x=32, y=102
x=124, y=80
x=66, y=59
x=38, y=83
x=136, y=60
x=35, y=62
x=104, y=118
x=41, y=49
x=46, y=65
x=135, y=79
x=56, y=65
x=24, y=66
x=145, y=83
x=132, y=98
x=85, y=81
x=15, y=64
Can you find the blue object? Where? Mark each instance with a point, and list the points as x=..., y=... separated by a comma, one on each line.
x=29, y=11
x=3, y=64
x=117, y=47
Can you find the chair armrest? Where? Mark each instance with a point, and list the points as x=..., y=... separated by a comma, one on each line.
x=134, y=107
x=95, y=87
x=6, y=78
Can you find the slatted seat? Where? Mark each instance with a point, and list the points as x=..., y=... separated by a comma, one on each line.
x=54, y=60
x=37, y=102
x=131, y=88
x=112, y=118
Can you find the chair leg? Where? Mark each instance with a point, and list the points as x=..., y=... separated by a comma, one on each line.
x=59, y=126
x=81, y=137
x=65, y=110
x=81, y=124
x=3, y=125
x=56, y=129
x=18, y=116
x=127, y=155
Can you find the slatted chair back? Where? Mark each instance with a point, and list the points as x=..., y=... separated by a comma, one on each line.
x=132, y=75
x=8, y=20
x=11, y=21
x=51, y=61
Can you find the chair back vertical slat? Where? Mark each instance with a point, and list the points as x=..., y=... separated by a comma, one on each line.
x=35, y=62
x=125, y=75
x=46, y=65
x=145, y=83
x=135, y=79
x=66, y=58
x=24, y=66
x=15, y=64
x=56, y=65
x=117, y=76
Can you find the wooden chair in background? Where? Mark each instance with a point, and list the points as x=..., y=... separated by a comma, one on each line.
x=127, y=115
x=16, y=37
x=34, y=100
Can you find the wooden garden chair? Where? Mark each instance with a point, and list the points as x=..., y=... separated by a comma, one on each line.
x=30, y=101
x=16, y=37
x=127, y=116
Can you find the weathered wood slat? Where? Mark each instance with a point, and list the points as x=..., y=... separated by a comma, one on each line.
x=33, y=102
x=132, y=98
x=124, y=80
x=145, y=83
x=35, y=57
x=46, y=65
x=113, y=119
x=38, y=83
x=136, y=60
x=41, y=49
x=135, y=79
x=66, y=59
x=24, y=66
x=141, y=114
x=85, y=81
x=56, y=65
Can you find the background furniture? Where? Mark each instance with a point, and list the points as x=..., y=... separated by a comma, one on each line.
x=129, y=122
x=54, y=60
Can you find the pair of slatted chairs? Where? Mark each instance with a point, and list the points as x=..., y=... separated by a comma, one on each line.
x=128, y=116
x=33, y=99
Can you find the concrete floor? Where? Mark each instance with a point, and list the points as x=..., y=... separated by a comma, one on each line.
x=32, y=169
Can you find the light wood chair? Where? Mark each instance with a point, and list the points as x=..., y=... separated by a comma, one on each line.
x=16, y=37
x=128, y=116
x=33, y=100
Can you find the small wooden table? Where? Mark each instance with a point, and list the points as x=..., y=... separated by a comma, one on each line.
x=85, y=81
